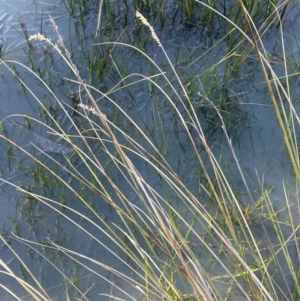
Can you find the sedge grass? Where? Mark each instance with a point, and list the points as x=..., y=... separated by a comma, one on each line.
x=152, y=239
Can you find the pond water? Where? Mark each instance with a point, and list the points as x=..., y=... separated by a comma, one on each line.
x=254, y=130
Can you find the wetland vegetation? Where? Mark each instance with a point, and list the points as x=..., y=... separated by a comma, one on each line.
x=134, y=173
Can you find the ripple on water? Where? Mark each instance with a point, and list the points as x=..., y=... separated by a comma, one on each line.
x=49, y=146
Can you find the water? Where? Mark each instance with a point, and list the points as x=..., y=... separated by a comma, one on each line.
x=257, y=140
x=50, y=146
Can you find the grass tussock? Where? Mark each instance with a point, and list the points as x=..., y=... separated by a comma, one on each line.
x=163, y=229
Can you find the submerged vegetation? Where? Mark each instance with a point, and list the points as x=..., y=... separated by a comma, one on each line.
x=140, y=192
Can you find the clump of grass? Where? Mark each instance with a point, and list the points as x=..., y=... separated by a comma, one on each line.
x=168, y=241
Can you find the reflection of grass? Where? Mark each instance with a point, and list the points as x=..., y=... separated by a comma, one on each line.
x=172, y=234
